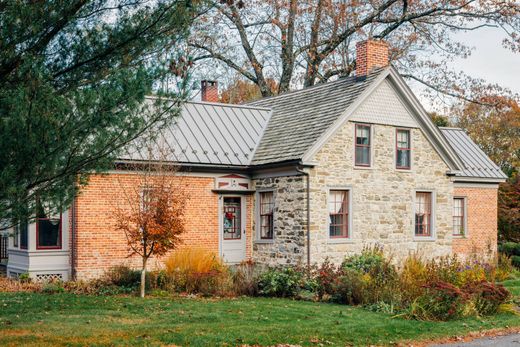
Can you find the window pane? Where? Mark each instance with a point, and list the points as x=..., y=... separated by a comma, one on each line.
x=403, y=158
x=362, y=155
x=403, y=139
x=24, y=234
x=458, y=216
x=363, y=135
x=266, y=215
x=49, y=232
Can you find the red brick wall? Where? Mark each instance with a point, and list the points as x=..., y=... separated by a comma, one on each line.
x=99, y=246
x=481, y=222
x=369, y=55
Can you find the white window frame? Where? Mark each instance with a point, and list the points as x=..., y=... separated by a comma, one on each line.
x=433, y=236
x=372, y=138
x=258, y=239
x=464, y=219
x=350, y=237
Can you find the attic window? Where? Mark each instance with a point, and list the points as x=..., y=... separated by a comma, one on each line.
x=362, y=145
x=402, y=147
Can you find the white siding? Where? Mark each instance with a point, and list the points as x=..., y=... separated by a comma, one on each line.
x=385, y=107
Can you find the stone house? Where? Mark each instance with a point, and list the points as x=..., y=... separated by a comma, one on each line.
x=310, y=174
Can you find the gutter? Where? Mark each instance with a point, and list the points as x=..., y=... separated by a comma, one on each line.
x=306, y=174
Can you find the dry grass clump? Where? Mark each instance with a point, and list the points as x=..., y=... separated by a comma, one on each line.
x=8, y=285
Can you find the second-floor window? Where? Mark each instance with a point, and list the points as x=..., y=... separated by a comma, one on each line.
x=266, y=204
x=403, y=150
x=362, y=145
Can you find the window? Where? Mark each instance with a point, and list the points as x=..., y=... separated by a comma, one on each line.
x=459, y=217
x=339, y=214
x=362, y=151
x=266, y=204
x=48, y=230
x=403, y=149
x=423, y=214
x=23, y=230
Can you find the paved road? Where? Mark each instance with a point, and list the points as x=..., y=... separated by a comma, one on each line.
x=502, y=341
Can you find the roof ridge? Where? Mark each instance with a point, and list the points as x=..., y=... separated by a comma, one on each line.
x=316, y=86
x=221, y=104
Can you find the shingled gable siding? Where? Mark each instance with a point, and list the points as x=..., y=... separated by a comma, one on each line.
x=100, y=246
x=382, y=197
x=482, y=210
x=288, y=245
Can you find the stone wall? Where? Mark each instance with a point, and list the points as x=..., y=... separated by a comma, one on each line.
x=289, y=215
x=482, y=210
x=382, y=196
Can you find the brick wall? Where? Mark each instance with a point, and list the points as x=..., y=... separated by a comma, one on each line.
x=99, y=246
x=370, y=54
x=481, y=230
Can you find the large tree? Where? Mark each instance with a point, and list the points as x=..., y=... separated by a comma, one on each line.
x=73, y=77
x=309, y=41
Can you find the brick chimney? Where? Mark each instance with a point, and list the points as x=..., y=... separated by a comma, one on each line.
x=209, y=91
x=370, y=54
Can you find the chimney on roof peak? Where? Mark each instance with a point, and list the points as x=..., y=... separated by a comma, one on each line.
x=209, y=91
x=370, y=54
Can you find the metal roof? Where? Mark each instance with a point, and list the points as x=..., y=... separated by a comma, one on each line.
x=300, y=117
x=208, y=133
x=476, y=163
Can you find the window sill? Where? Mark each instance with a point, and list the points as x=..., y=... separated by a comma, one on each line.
x=404, y=170
x=424, y=239
x=459, y=237
x=264, y=242
x=339, y=241
x=363, y=167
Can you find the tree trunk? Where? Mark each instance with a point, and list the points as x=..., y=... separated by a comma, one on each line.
x=143, y=277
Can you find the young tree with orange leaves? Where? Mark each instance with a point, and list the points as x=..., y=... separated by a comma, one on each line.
x=151, y=213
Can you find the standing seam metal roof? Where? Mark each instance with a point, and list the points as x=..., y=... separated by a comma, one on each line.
x=208, y=133
x=476, y=162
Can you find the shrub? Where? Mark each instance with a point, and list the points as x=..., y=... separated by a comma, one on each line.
x=504, y=268
x=245, y=278
x=441, y=301
x=370, y=258
x=510, y=248
x=196, y=270
x=515, y=261
x=487, y=297
x=280, y=282
x=323, y=278
x=123, y=276
x=349, y=288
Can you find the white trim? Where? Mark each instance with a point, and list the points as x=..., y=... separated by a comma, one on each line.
x=348, y=239
x=433, y=216
x=257, y=238
x=475, y=185
x=464, y=217
x=434, y=135
x=478, y=180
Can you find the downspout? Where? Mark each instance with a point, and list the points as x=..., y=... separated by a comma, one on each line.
x=73, y=239
x=306, y=174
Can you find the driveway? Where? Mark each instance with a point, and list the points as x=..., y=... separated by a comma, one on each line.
x=502, y=341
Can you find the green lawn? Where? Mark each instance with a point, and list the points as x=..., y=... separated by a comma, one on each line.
x=66, y=319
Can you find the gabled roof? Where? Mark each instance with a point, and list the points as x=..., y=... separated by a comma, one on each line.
x=300, y=117
x=210, y=133
x=476, y=163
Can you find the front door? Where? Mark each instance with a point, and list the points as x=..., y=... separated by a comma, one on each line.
x=232, y=229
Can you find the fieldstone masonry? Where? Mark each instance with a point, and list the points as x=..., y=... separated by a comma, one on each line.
x=289, y=216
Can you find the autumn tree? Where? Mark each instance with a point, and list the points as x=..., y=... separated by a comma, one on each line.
x=73, y=79
x=150, y=211
x=241, y=91
x=299, y=42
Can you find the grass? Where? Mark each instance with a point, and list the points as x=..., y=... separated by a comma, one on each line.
x=66, y=319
